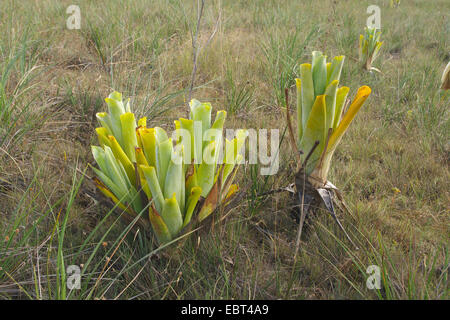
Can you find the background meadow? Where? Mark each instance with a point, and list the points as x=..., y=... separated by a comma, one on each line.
x=392, y=165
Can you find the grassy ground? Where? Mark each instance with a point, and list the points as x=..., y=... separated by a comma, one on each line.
x=53, y=81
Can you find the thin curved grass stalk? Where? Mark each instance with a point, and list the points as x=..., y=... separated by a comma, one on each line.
x=369, y=47
x=445, y=80
x=322, y=120
x=174, y=178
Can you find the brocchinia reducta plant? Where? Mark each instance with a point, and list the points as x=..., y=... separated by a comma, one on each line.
x=173, y=179
x=369, y=47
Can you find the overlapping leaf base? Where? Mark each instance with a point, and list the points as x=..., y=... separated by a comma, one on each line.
x=175, y=178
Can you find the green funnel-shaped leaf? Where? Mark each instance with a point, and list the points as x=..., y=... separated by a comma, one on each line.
x=152, y=181
x=308, y=97
x=191, y=204
x=173, y=181
x=330, y=102
x=319, y=72
x=128, y=123
x=315, y=130
x=159, y=226
x=206, y=170
x=165, y=150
